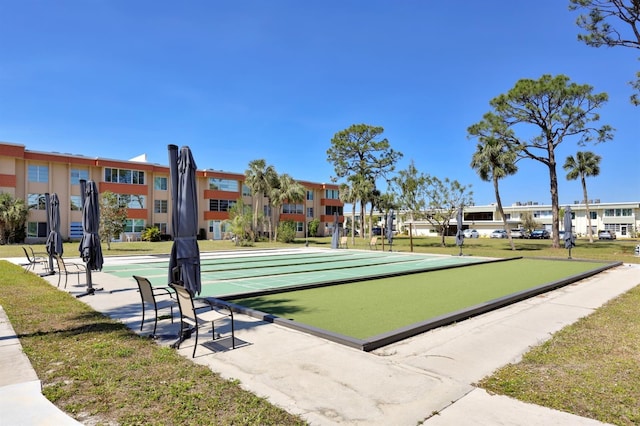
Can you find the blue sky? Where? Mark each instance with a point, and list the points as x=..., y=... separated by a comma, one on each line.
x=242, y=80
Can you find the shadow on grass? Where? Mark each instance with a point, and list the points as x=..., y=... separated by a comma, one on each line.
x=278, y=307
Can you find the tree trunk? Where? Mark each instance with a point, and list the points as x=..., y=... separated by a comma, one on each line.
x=553, y=180
x=353, y=224
x=586, y=205
x=362, y=218
x=504, y=218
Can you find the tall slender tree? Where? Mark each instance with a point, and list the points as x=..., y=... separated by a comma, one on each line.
x=286, y=189
x=554, y=107
x=258, y=177
x=584, y=164
x=359, y=151
x=493, y=160
x=408, y=188
x=347, y=195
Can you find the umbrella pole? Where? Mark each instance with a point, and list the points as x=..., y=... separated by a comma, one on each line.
x=90, y=289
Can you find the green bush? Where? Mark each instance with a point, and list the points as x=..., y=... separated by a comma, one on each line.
x=287, y=231
x=313, y=227
x=150, y=234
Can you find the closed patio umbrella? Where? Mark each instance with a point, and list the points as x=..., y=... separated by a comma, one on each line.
x=459, y=233
x=54, y=239
x=184, y=262
x=569, y=239
x=335, y=237
x=90, y=248
x=390, y=228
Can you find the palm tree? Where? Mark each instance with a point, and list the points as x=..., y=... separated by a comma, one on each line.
x=13, y=216
x=347, y=195
x=362, y=189
x=286, y=189
x=493, y=160
x=583, y=165
x=258, y=177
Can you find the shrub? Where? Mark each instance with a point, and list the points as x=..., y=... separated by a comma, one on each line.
x=287, y=231
x=150, y=234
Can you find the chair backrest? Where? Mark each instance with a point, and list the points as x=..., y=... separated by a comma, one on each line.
x=374, y=241
x=185, y=301
x=146, y=290
x=61, y=266
x=343, y=240
x=26, y=253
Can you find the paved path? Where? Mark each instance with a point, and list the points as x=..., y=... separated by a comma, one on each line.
x=428, y=378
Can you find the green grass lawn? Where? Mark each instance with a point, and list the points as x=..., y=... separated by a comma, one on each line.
x=618, y=250
x=590, y=368
x=97, y=370
x=368, y=308
x=101, y=372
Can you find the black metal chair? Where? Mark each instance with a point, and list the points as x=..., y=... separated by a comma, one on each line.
x=156, y=297
x=197, y=317
x=32, y=260
x=67, y=269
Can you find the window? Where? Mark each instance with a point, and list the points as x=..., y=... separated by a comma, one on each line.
x=332, y=194
x=309, y=211
x=266, y=210
x=36, y=202
x=38, y=174
x=299, y=226
x=76, y=203
x=309, y=195
x=161, y=226
x=292, y=208
x=246, y=191
x=331, y=210
x=478, y=216
x=75, y=231
x=160, y=206
x=123, y=176
x=77, y=175
x=37, y=229
x=134, y=225
x=221, y=205
x=594, y=215
x=542, y=213
x=223, y=184
x=132, y=201
x=160, y=183
x=618, y=212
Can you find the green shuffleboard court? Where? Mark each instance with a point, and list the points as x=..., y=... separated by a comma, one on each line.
x=375, y=312
x=364, y=299
x=264, y=271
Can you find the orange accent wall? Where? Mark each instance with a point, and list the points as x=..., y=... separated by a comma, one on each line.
x=216, y=215
x=215, y=194
x=8, y=181
x=329, y=218
x=292, y=216
x=331, y=202
x=12, y=150
x=137, y=213
x=123, y=188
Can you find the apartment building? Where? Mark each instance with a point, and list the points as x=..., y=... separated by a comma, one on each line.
x=144, y=188
x=623, y=218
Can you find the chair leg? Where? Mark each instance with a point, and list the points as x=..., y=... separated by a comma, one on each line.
x=142, y=322
x=195, y=346
x=155, y=323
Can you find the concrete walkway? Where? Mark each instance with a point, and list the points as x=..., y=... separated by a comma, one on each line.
x=428, y=378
